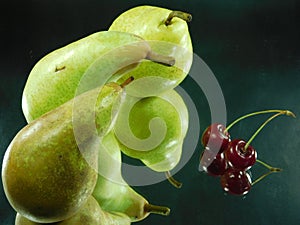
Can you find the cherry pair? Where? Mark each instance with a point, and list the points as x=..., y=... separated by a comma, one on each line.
x=231, y=159
x=224, y=152
x=227, y=158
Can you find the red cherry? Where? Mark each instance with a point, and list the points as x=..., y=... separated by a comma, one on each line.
x=215, y=137
x=236, y=182
x=239, y=157
x=212, y=163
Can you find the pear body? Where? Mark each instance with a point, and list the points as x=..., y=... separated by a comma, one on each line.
x=111, y=191
x=48, y=172
x=173, y=40
x=90, y=214
x=55, y=78
x=153, y=129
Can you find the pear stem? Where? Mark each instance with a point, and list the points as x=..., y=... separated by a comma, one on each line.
x=126, y=82
x=182, y=15
x=289, y=113
x=162, y=59
x=282, y=112
x=157, y=209
x=172, y=180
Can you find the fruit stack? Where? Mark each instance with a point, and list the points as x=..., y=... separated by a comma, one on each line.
x=85, y=104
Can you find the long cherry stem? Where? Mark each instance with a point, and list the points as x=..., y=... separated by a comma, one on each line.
x=257, y=113
x=172, y=180
x=270, y=168
x=261, y=177
x=282, y=112
x=182, y=15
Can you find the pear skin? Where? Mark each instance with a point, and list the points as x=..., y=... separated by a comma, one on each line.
x=90, y=214
x=48, y=172
x=55, y=78
x=112, y=192
x=153, y=129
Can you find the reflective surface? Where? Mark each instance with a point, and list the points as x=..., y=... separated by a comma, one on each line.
x=251, y=46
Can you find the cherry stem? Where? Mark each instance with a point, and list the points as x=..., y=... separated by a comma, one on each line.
x=172, y=180
x=262, y=177
x=161, y=59
x=157, y=209
x=282, y=112
x=182, y=15
x=271, y=168
x=289, y=113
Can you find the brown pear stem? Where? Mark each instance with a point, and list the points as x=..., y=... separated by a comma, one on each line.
x=157, y=209
x=182, y=15
x=127, y=81
x=162, y=59
x=172, y=180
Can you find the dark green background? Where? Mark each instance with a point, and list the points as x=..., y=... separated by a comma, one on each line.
x=253, y=49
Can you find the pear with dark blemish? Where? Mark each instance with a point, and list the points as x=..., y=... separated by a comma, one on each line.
x=54, y=78
x=91, y=61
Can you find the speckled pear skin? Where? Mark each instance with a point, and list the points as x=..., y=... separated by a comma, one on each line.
x=148, y=22
x=90, y=214
x=46, y=177
x=111, y=191
x=55, y=78
x=166, y=155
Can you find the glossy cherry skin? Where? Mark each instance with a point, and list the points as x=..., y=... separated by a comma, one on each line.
x=236, y=182
x=238, y=157
x=212, y=163
x=215, y=137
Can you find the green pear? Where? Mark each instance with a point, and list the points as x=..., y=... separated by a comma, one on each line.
x=112, y=192
x=90, y=214
x=50, y=168
x=153, y=129
x=85, y=64
x=167, y=33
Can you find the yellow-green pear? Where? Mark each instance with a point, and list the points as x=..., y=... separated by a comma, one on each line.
x=153, y=129
x=167, y=33
x=84, y=64
x=50, y=167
